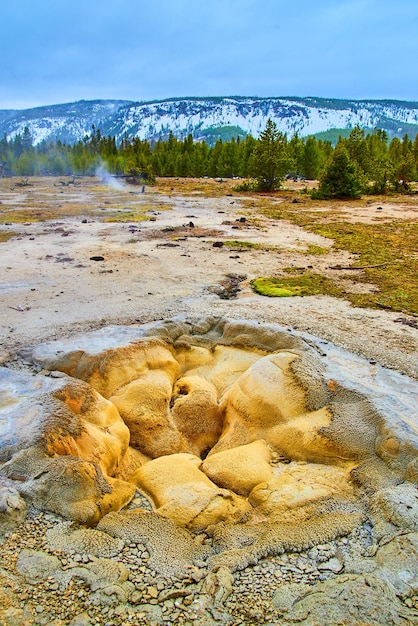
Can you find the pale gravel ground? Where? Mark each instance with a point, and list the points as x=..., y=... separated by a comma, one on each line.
x=50, y=287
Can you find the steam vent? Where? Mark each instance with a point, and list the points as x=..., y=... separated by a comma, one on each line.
x=250, y=436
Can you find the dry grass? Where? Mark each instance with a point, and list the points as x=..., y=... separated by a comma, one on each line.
x=389, y=244
x=386, y=238
x=213, y=188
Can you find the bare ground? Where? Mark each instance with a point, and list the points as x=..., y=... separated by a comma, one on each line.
x=167, y=264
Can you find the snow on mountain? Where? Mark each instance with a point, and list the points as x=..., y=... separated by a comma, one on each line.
x=205, y=116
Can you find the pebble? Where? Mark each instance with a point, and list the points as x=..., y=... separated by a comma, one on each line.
x=333, y=565
x=176, y=601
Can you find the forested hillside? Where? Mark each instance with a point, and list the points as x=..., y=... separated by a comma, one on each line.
x=376, y=163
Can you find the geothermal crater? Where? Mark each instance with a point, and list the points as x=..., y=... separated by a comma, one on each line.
x=234, y=429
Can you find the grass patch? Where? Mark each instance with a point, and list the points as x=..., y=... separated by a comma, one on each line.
x=207, y=187
x=316, y=250
x=247, y=245
x=134, y=214
x=126, y=217
x=6, y=236
x=392, y=245
x=21, y=216
x=308, y=284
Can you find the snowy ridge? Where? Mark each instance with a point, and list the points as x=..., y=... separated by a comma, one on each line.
x=199, y=116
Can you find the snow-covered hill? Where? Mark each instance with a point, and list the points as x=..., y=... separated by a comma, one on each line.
x=208, y=118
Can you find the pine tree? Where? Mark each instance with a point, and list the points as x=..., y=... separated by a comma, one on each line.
x=340, y=178
x=311, y=163
x=270, y=161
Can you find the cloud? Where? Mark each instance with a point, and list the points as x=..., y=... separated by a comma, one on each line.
x=138, y=49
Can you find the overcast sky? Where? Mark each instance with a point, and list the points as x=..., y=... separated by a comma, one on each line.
x=61, y=50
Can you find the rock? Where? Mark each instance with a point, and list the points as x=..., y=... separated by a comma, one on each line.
x=83, y=540
x=136, y=597
x=240, y=469
x=333, y=565
x=395, y=507
x=36, y=565
x=152, y=612
x=82, y=619
x=267, y=403
x=172, y=549
x=191, y=396
x=12, y=509
x=68, y=486
x=152, y=592
x=293, y=486
x=144, y=404
x=131, y=461
x=181, y=492
x=108, y=580
x=183, y=386
x=397, y=564
x=62, y=441
x=348, y=599
x=219, y=585
x=412, y=471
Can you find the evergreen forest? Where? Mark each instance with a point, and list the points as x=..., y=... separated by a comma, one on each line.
x=357, y=164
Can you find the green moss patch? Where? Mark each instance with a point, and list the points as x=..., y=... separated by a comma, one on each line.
x=302, y=285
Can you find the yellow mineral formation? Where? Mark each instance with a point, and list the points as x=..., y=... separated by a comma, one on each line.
x=196, y=413
x=297, y=485
x=144, y=404
x=183, y=493
x=214, y=421
x=114, y=368
x=226, y=366
x=267, y=402
x=100, y=435
x=240, y=469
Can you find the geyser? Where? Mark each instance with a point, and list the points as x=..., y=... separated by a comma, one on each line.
x=232, y=428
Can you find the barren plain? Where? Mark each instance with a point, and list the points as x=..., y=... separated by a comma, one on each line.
x=80, y=255
x=159, y=260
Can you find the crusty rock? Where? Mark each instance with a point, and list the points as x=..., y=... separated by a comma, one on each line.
x=256, y=541
x=395, y=507
x=348, y=599
x=105, y=368
x=69, y=486
x=62, y=442
x=12, y=509
x=87, y=541
x=61, y=417
x=131, y=461
x=172, y=548
x=180, y=491
x=35, y=565
x=196, y=413
x=267, y=403
x=240, y=469
x=144, y=405
x=219, y=585
x=397, y=563
x=295, y=485
x=223, y=367
x=211, y=388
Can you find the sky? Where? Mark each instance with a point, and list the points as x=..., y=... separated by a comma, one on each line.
x=141, y=50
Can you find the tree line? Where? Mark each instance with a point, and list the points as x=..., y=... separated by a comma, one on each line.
x=361, y=163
